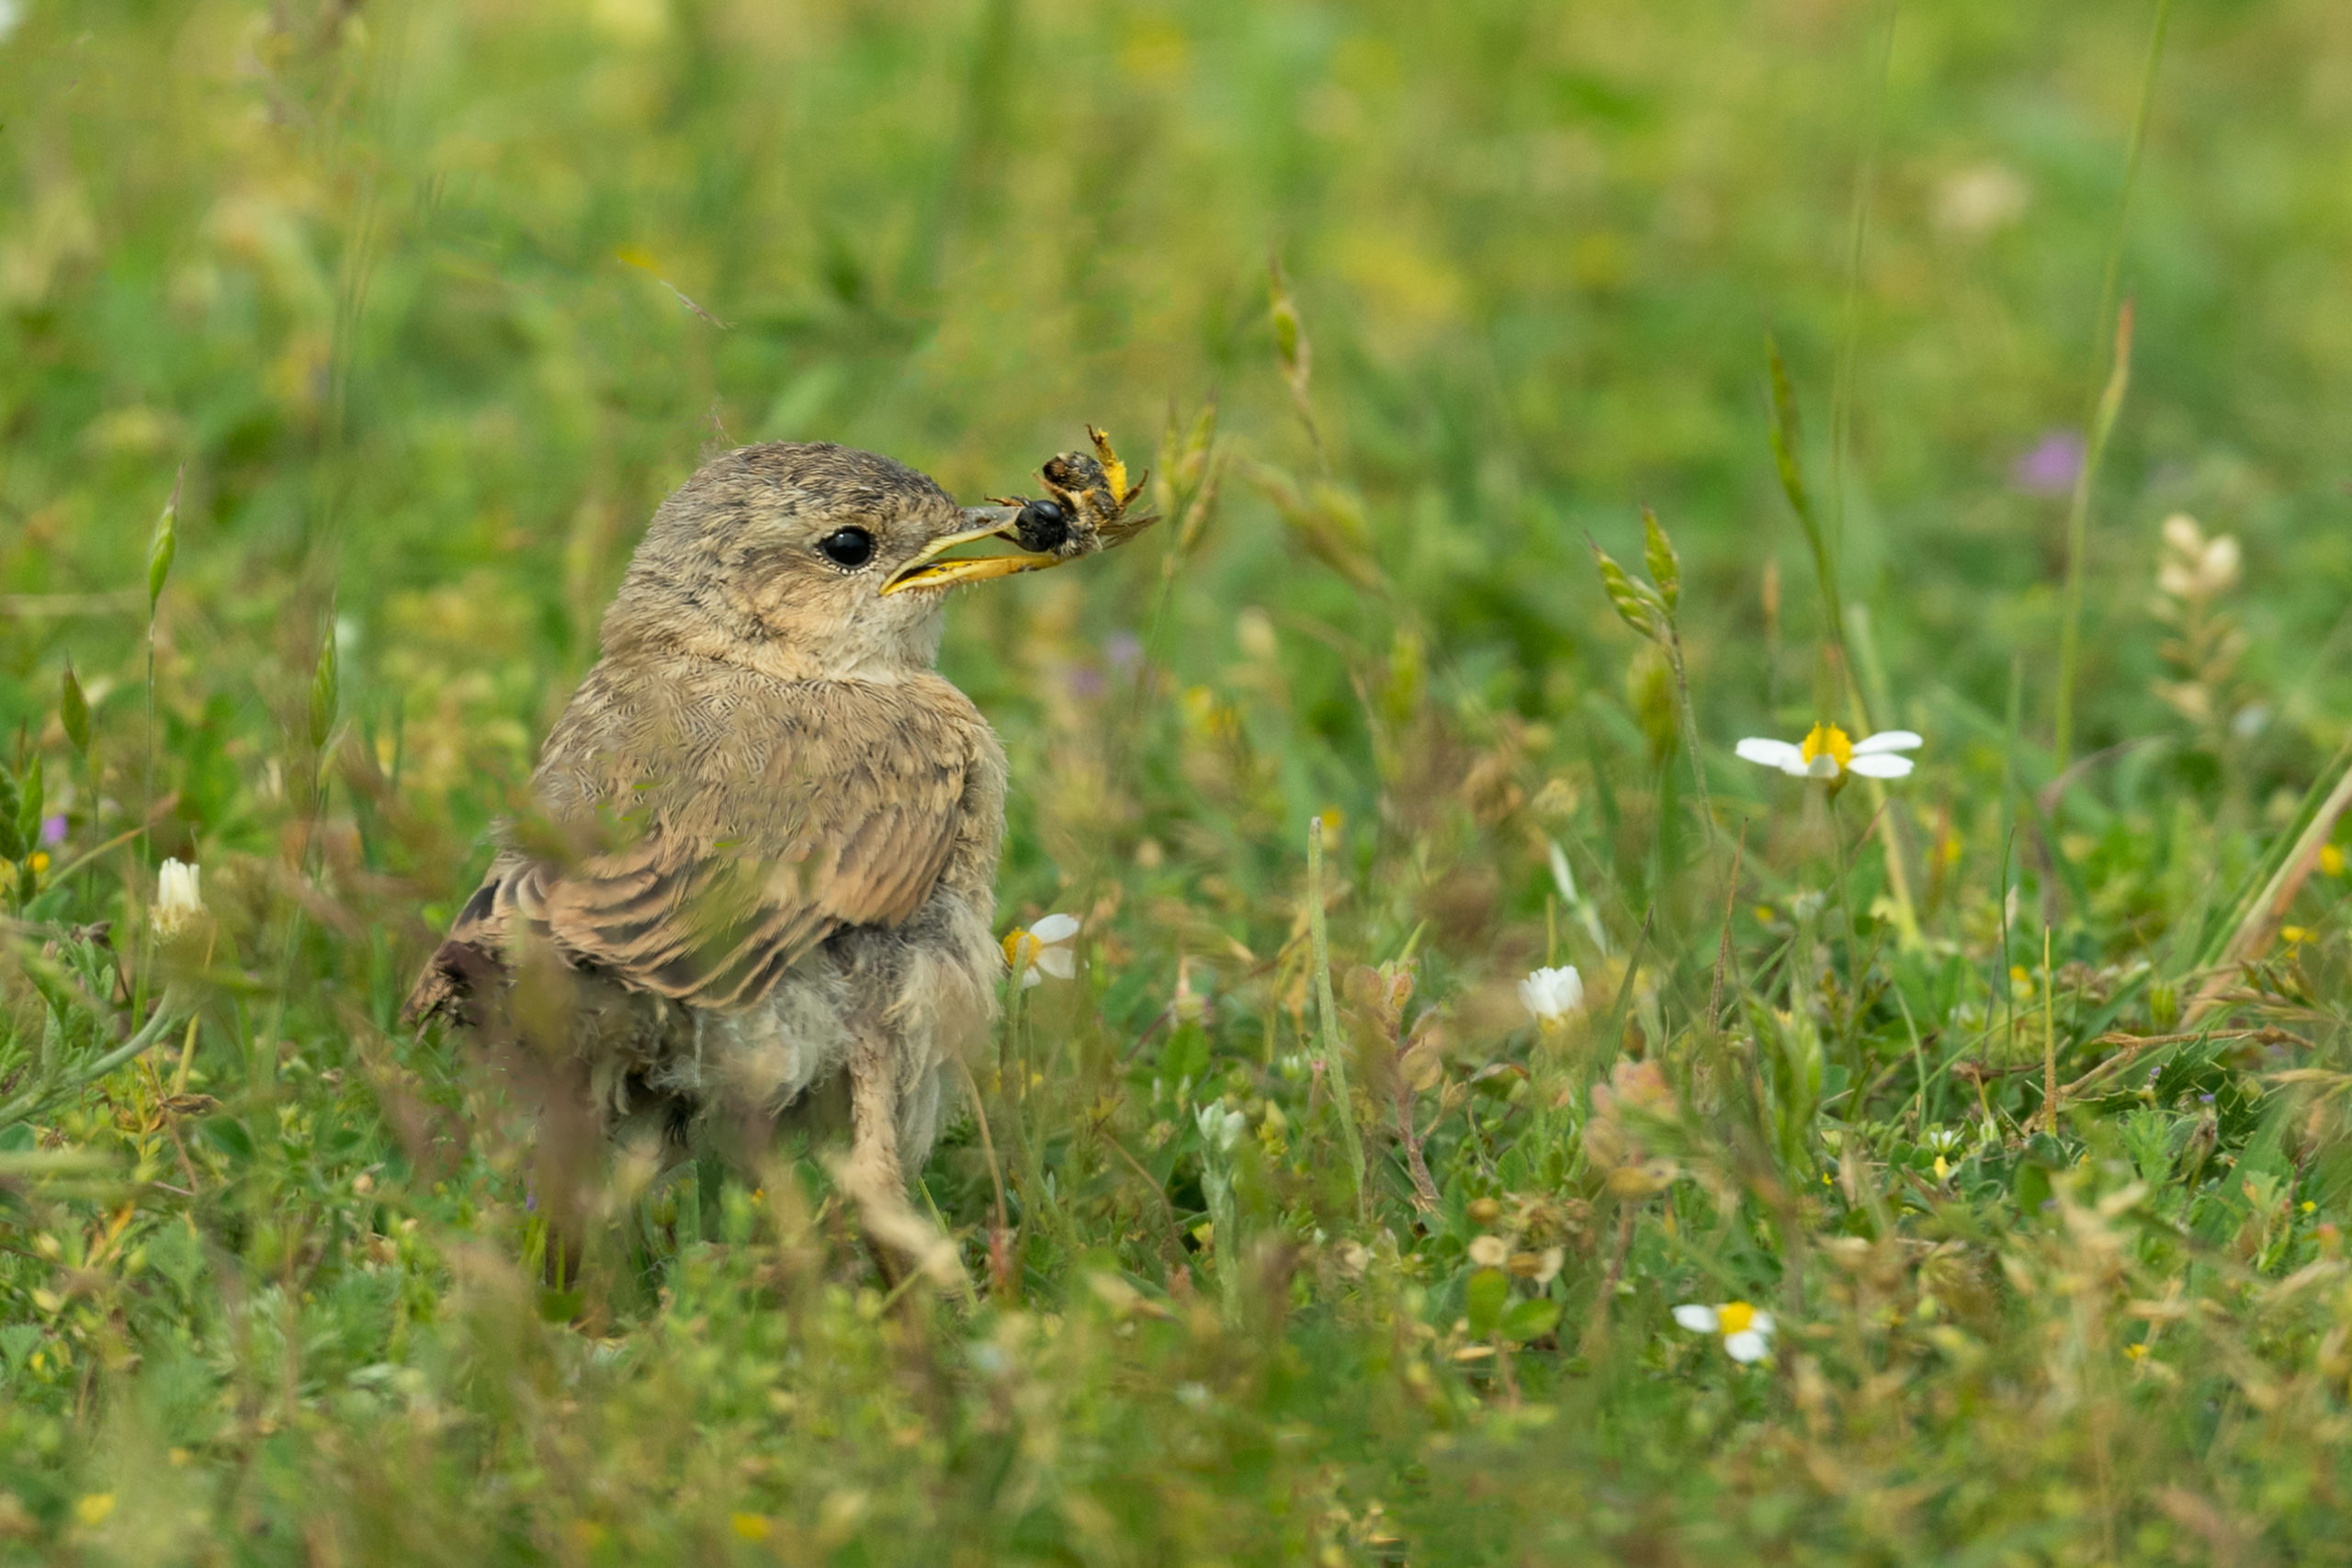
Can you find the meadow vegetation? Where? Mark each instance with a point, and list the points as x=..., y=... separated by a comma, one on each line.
x=1985, y=366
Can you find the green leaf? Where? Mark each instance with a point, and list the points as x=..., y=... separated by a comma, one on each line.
x=19, y=1340
x=29, y=806
x=160, y=551
x=12, y=840
x=1483, y=1300
x=1787, y=438
x=1531, y=1319
x=1665, y=566
x=326, y=691
x=2234, y=929
x=178, y=1255
x=73, y=711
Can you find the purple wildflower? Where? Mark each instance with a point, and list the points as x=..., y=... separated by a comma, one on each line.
x=1122, y=649
x=2052, y=466
x=52, y=828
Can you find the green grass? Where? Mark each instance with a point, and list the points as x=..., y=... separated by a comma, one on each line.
x=390, y=296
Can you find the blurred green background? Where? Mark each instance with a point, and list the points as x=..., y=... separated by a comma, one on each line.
x=420, y=307
x=387, y=282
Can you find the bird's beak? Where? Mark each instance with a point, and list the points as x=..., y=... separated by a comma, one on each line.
x=928, y=571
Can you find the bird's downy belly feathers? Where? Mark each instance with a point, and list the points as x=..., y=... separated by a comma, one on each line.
x=928, y=987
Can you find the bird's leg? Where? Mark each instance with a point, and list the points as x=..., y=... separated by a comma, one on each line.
x=903, y=1241
x=874, y=1118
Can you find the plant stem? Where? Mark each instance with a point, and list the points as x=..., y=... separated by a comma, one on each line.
x=1849, y=335
x=1328, y=1015
x=2078, y=519
x=33, y=1101
x=1673, y=644
x=2049, y=1042
x=2132, y=161
x=2103, y=418
x=1846, y=900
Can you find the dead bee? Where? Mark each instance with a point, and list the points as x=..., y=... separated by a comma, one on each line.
x=1085, y=505
x=1043, y=525
x=1085, y=509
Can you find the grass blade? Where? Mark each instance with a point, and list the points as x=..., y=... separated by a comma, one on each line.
x=2111, y=403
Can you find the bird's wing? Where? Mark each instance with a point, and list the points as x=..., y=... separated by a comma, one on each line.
x=753, y=824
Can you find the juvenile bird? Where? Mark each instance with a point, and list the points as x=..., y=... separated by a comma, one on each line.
x=766, y=839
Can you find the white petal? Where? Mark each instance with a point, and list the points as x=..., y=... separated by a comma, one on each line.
x=1888, y=740
x=1567, y=989
x=1747, y=1346
x=178, y=897
x=1761, y=1323
x=1058, y=962
x=1030, y=977
x=1696, y=1319
x=1882, y=766
x=1771, y=753
x=1551, y=993
x=1055, y=927
x=1822, y=766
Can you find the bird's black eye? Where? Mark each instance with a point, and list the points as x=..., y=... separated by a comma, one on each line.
x=847, y=546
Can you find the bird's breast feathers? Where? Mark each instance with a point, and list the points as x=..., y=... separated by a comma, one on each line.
x=704, y=825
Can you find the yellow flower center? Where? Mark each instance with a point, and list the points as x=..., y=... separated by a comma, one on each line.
x=1021, y=949
x=1734, y=1317
x=1829, y=739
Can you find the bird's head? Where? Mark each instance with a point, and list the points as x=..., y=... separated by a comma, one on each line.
x=817, y=562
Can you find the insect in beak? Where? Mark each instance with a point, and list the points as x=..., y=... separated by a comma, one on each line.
x=929, y=571
x=1086, y=513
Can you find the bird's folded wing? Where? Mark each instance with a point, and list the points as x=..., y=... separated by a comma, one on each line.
x=742, y=863
x=713, y=922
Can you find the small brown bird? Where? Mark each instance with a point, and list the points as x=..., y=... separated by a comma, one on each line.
x=766, y=847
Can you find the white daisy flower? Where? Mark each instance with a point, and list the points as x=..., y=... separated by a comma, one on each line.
x=1828, y=753
x=1552, y=994
x=178, y=899
x=1746, y=1331
x=1044, y=948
